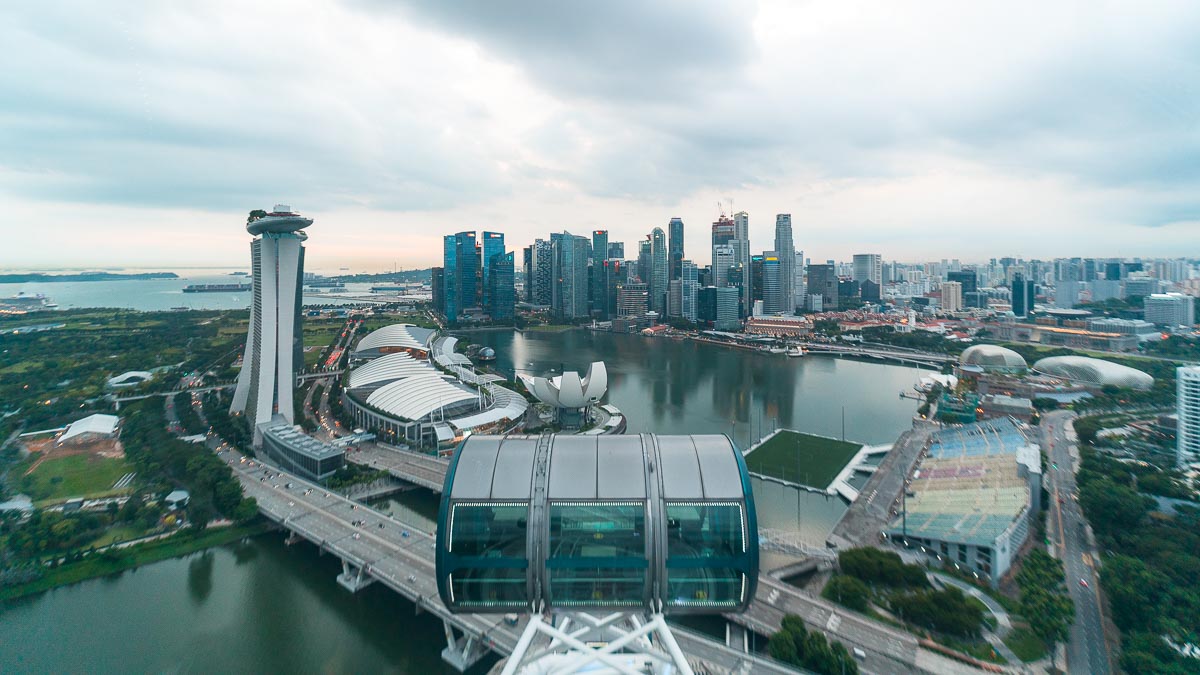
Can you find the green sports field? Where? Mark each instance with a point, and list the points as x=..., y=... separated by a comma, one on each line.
x=802, y=458
x=72, y=476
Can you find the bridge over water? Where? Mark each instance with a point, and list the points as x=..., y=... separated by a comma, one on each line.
x=888, y=650
x=377, y=548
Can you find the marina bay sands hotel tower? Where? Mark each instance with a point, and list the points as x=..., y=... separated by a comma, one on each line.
x=273, y=349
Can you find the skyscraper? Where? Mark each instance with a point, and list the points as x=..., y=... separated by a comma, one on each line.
x=823, y=283
x=644, y=264
x=616, y=250
x=724, y=257
x=772, y=293
x=493, y=244
x=785, y=249
x=689, y=289
x=599, y=245
x=756, y=277
x=868, y=267
x=675, y=247
x=952, y=296
x=741, y=244
x=570, y=277
x=1022, y=295
x=658, y=271
x=527, y=256
x=543, y=272
x=272, y=355
x=466, y=277
x=596, y=278
x=1170, y=309
x=1187, y=406
x=502, y=287
x=449, y=305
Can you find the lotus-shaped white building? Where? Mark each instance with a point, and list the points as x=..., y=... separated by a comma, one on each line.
x=569, y=393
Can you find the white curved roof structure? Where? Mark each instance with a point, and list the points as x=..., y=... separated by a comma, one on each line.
x=102, y=425
x=402, y=335
x=413, y=398
x=388, y=368
x=569, y=390
x=992, y=356
x=1096, y=372
x=506, y=405
x=130, y=378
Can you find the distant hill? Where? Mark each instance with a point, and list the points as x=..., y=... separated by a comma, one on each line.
x=82, y=276
x=422, y=276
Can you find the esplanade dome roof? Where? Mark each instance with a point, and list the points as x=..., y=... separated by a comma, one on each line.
x=992, y=356
x=1096, y=372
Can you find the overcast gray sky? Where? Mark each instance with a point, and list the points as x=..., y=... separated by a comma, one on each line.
x=140, y=133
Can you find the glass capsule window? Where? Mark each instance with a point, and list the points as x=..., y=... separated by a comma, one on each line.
x=597, y=553
x=488, y=541
x=706, y=554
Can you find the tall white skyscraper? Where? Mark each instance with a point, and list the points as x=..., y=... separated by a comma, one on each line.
x=689, y=289
x=952, y=296
x=868, y=267
x=741, y=243
x=268, y=375
x=658, y=271
x=786, y=250
x=1170, y=309
x=1187, y=402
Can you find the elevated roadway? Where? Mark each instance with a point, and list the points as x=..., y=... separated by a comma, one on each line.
x=377, y=548
x=888, y=650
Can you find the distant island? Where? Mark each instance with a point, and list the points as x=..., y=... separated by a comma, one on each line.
x=423, y=276
x=82, y=276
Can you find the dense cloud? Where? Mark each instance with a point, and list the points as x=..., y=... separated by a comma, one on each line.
x=1034, y=127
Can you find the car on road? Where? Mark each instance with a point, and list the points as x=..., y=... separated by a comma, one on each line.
x=1083, y=582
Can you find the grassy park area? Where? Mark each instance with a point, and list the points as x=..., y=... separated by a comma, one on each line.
x=71, y=476
x=802, y=458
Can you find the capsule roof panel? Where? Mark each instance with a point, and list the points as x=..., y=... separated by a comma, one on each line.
x=598, y=467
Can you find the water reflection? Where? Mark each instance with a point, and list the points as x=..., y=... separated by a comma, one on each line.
x=200, y=581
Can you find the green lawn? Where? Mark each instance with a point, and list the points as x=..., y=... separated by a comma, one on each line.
x=72, y=476
x=1025, y=645
x=789, y=455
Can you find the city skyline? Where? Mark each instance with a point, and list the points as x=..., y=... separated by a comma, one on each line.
x=875, y=131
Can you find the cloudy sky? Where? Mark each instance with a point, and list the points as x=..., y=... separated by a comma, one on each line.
x=140, y=133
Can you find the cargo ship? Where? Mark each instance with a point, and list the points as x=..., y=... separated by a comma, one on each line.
x=217, y=288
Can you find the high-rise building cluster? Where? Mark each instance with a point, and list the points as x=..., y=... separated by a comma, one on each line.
x=477, y=277
x=577, y=278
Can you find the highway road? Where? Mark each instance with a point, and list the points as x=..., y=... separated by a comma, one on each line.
x=888, y=650
x=402, y=557
x=420, y=469
x=1087, y=649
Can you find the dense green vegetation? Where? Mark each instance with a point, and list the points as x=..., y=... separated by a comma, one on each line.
x=870, y=576
x=885, y=568
x=54, y=377
x=80, y=567
x=1044, y=600
x=785, y=452
x=233, y=430
x=796, y=645
x=922, y=340
x=1150, y=568
x=165, y=462
x=189, y=419
x=1175, y=347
